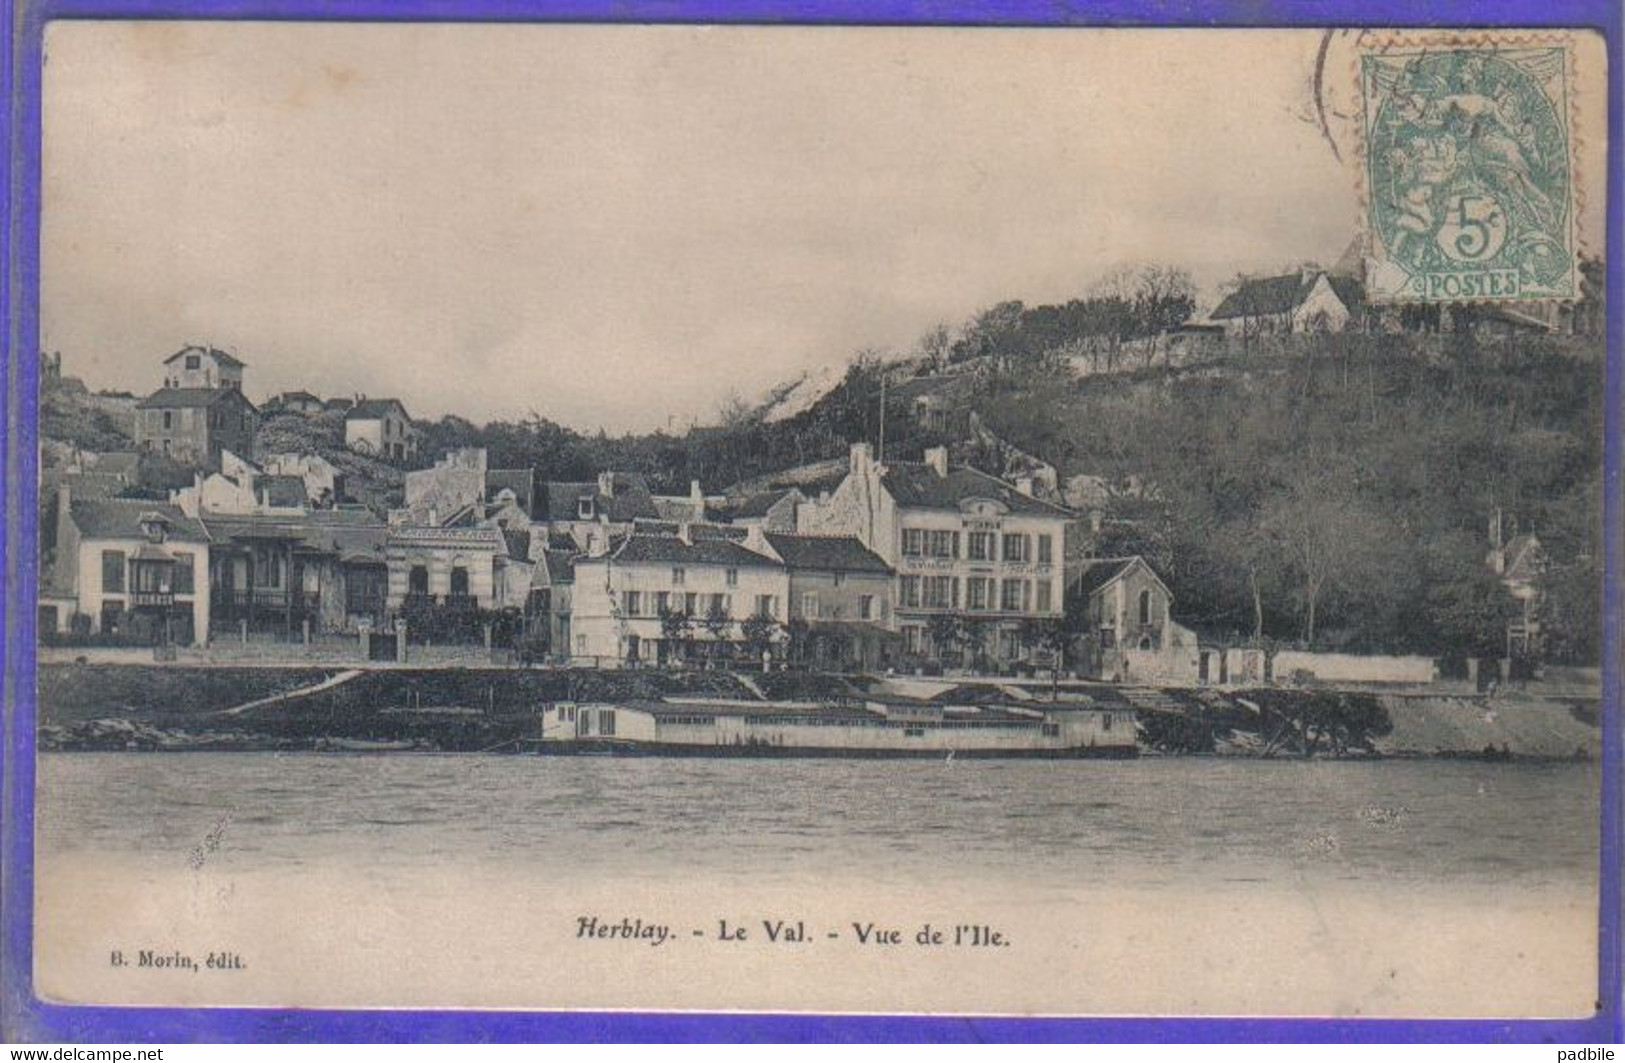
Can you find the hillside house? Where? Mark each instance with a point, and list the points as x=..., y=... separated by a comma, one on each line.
x=1127, y=633
x=193, y=425
x=381, y=428
x=963, y=544
x=590, y=514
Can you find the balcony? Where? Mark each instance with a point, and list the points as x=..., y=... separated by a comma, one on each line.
x=462, y=602
x=157, y=599
x=267, y=599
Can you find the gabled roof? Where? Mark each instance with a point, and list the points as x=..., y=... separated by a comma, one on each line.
x=758, y=504
x=916, y=485
x=347, y=533
x=374, y=409
x=630, y=501
x=522, y=482
x=120, y=518
x=828, y=553
x=518, y=542
x=560, y=565
x=218, y=355
x=1280, y=295
x=1105, y=571
x=669, y=549
x=191, y=398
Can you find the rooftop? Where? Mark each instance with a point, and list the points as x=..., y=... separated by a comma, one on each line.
x=834, y=553
x=121, y=518
x=917, y=485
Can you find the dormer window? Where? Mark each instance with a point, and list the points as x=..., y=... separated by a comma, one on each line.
x=194, y=361
x=153, y=527
x=586, y=509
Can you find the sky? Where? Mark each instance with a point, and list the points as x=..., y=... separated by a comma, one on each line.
x=618, y=227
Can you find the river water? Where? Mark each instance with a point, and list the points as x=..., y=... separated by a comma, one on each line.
x=1223, y=886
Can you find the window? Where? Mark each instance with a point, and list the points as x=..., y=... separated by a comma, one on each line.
x=169, y=420
x=913, y=542
x=910, y=596
x=941, y=592
x=606, y=722
x=584, y=509
x=725, y=604
x=1145, y=607
x=733, y=577
x=631, y=603
x=112, y=617
x=581, y=645
x=809, y=605
x=417, y=581
x=944, y=544
x=691, y=603
x=150, y=577
x=1046, y=549
x=113, y=571
x=662, y=602
x=183, y=581
x=194, y=361
x=866, y=607
x=1016, y=547
x=840, y=578
x=1014, y=599
x=268, y=569
x=459, y=580
x=1052, y=730
x=1044, y=603
x=1106, y=721
x=678, y=575
x=765, y=606
x=913, y=639
x=1108, y=638
x=978, y=593
x=981, y=546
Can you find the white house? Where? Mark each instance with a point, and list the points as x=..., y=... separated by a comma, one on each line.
x=1311, y=300
x=623, y=597
x=1129, y=634
x=135, y=567
x=382, y=428
x=203, y=367
x=963, y=544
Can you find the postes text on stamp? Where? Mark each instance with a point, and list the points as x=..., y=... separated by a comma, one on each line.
x=1469, y=171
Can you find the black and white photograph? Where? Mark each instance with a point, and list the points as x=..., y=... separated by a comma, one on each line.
x=828, y=519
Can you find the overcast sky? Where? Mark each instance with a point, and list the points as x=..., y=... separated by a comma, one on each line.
x=614, y=226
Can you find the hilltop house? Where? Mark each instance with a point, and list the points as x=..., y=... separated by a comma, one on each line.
x=1311, y=300
x=203, y=367
x=967, y=547
x=382, y=428
x=665, y=598
x=133, y=567
x=1127, y=632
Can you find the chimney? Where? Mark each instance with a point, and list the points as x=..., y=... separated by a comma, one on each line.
x=1024, y=484
x=685, y=532
x=862, y=457
x=606, y=484
x=755, y=541
x=937, y=458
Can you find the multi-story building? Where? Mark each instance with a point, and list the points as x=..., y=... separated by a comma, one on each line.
x=132, y=567
x=666, y=598
x=193, y=425
x=984, y=556
x=840, y=595
x=382, y=428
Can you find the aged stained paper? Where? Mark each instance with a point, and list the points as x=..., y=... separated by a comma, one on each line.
x=305, y=693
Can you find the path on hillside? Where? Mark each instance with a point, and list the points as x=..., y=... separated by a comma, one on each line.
x=326, y=684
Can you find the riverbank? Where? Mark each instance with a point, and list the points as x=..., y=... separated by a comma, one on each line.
x=85, y=707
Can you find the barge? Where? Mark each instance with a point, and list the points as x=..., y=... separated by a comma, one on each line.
x=868, y=728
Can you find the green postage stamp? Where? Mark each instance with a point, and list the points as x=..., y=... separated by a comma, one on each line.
x=1469, y=167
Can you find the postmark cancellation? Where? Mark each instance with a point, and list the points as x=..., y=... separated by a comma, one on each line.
x=1469, y=167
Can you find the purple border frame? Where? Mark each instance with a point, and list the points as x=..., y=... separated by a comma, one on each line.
x=24, y=1018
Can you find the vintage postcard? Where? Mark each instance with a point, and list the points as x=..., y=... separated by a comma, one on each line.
x=910, y=520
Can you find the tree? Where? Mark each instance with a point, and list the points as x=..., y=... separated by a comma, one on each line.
x=758, y=631
x=948, y=632
x=676, y=628
x=1324, y=532
x=717, y=623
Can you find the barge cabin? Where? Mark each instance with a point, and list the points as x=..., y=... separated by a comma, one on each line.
x=868, y=728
